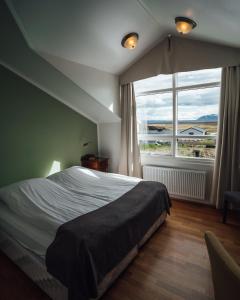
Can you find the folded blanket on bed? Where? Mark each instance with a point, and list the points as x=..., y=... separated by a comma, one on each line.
x=88, y=247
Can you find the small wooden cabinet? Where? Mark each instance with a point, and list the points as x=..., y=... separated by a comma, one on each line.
x=95, y=163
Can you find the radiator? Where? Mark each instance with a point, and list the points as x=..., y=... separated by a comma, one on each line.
x=181, y=183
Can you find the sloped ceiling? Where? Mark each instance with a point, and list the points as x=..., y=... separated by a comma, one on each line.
x=16, y=55
x=218, y=20
x=82, y=38
x=89, y=32
x=100, y=85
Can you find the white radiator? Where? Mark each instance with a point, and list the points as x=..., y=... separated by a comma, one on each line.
x=181, y=183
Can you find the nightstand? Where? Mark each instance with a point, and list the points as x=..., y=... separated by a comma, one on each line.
x=96, y=163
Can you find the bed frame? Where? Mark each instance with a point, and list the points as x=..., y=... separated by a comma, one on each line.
x=34, y=266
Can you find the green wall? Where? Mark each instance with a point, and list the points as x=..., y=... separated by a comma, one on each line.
x=37, y=130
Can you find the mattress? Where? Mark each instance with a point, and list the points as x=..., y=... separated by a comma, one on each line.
x=28, y=226
x=34, y=266
x=24, y=233
x=34, y=209
x=102, y=186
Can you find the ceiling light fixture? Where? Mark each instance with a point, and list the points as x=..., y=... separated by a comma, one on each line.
x=130, y=40
x=184, y=25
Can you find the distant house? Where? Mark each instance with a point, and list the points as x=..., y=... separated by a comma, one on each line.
x=193, y=131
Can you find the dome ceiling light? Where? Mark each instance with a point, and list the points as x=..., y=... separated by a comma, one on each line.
x=130, y=40
x=184, y=25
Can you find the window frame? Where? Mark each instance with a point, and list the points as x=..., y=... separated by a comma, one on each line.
x=174, y=137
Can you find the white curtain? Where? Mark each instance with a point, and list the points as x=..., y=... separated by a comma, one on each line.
x=130, y=163
x=227, y=163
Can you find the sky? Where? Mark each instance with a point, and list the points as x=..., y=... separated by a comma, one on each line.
x=192, y=104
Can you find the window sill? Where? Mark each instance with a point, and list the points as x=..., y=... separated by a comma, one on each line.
x=188, y=160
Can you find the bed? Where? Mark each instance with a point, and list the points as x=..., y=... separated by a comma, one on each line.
x=88, y=209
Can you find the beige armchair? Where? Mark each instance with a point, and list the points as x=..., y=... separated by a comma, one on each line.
x=225, y=271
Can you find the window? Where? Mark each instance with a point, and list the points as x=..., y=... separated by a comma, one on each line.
x=178, y=114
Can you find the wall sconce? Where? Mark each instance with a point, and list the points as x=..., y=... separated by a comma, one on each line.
x=86, y=144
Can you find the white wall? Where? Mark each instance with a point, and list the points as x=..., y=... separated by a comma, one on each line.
x=102, y=86
x=109, y=143
x=98, y=93
x=97, y=97
x=17, y=56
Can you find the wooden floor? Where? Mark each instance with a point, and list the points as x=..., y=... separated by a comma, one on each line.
x=172, y=265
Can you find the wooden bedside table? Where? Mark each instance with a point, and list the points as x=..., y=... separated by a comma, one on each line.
x=95, y=163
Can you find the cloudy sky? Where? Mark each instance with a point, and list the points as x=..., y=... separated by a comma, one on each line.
x=192, y=104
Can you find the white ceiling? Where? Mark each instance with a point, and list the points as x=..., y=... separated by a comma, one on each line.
x=218, y=20
x=89, y=32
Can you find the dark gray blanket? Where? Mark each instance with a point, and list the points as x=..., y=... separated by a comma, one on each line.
x=88, y=247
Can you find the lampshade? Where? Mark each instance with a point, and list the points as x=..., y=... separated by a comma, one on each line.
x=130, y=41
x=184, y=25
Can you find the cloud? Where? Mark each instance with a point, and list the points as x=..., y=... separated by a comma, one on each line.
x=183, y=79
x=198, y=77
x=154, y=101
x=155, y=114
x=201, y=97
x=194, y=112
x=153, y=83
x=191, y=103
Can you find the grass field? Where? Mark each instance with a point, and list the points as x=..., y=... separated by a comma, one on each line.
x=188, y=147
x=201, y=148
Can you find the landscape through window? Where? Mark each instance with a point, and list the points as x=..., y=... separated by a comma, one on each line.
x=178, y=114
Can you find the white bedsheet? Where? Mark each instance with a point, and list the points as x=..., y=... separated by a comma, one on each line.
x=98, y=185
x=43, y=204
x=33, y=239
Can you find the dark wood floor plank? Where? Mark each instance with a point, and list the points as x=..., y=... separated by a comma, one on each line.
x=174, y=264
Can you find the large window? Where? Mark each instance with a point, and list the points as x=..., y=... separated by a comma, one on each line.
x=178, y=114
